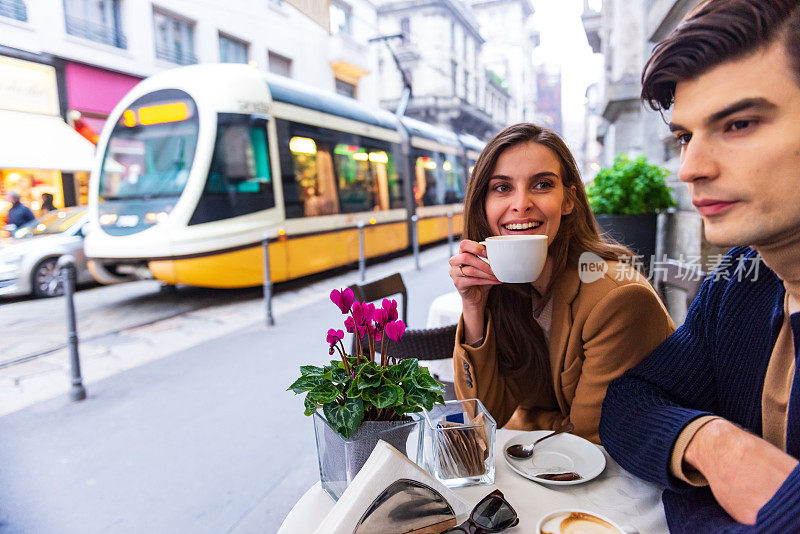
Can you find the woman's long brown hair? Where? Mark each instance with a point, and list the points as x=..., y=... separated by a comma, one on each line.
x=520, y=341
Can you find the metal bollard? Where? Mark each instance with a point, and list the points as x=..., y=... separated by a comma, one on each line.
x=450, y=232
x=66, y=266
x=415, y=237
x=267, y=283
x=362, y=260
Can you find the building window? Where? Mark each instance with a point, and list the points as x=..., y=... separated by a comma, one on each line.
x=279, y=64
x=341, y=18
x=232, y=50
x=96, y=20
x=174, y=39
x=453, y=70
x=346, y=89
x=14, y=9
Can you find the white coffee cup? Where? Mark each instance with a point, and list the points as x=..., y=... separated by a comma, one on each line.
x=516, y=259
x=577, y=521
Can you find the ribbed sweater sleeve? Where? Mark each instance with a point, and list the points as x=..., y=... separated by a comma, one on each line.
x=647, y=408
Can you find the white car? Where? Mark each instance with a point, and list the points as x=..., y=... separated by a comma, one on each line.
x=28, y=258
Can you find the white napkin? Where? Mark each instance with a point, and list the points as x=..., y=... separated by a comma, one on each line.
x=383, y=467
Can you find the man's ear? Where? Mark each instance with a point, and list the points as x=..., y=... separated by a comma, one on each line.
x=569, y=203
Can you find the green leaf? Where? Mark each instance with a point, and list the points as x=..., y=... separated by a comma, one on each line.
x=403, y=371
x=385, y=396
x=323, y=393
x=311, y=370
x=630, y=186
x=353, y=390
x=305, y=383
x=428, y=383
x=347, y=418
x=310, y=405
x=370, y=381
x=417, y=397
x=339, y=375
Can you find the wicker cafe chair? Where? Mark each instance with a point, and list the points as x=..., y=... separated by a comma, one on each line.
x=679, y=275
x=424, y=343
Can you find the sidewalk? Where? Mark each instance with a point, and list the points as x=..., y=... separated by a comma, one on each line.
x=189, y=443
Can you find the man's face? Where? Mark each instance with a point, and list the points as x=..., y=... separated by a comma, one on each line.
x=739, y=127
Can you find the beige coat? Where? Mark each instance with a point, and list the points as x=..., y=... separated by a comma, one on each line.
x=599, y=330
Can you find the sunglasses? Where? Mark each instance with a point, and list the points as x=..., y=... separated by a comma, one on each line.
x=492, y=514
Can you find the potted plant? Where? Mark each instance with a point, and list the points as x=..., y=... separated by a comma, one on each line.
x=626, y=198
x=356, y=400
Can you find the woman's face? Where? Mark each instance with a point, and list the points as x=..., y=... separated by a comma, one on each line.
x=526, y=195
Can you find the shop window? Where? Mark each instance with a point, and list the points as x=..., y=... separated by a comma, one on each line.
x=239, y=181
x=14, y=9
x=96, y=20
x=232, y=50
x=174, y=39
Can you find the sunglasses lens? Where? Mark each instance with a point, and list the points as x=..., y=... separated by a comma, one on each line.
x=493, y=513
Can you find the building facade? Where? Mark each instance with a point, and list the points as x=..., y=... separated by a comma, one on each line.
x=99, y=49
x=510, y=39
x=438, y=45
x=625, y=32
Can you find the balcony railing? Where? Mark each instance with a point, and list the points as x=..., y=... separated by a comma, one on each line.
x=175, y=56
x=14, y=9
x=95, y=32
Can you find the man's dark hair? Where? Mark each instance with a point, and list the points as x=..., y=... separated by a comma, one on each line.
x=715, y=32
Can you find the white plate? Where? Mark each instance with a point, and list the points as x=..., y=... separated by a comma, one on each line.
x=558, y=455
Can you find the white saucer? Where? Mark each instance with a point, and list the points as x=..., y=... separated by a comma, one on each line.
x=561, y=454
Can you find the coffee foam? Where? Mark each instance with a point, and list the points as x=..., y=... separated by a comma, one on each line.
x=577, y=523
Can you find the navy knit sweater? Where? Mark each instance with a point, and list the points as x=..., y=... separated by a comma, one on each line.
x=714, y=364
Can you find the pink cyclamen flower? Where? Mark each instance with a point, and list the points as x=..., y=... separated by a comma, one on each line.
x=359, y=314
x=350, y=325
x=395, y=330
x=334, y=336
x=374, y=331
x=381, y=317
x=391, y=308
x=344, y=299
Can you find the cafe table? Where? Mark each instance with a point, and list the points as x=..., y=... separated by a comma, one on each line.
x=634, y=504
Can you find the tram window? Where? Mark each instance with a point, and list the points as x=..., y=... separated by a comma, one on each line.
x=368, y=179
x=453, y=172
x=239, y=180
x=425, y=169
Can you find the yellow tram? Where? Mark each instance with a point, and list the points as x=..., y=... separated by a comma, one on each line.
x=196, y=165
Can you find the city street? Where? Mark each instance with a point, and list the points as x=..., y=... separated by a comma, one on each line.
x=198, y=432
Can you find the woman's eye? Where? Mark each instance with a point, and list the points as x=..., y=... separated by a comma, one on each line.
x=543, y=185
x=501, y=188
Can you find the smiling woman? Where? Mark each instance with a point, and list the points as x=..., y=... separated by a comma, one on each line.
x=540, y=355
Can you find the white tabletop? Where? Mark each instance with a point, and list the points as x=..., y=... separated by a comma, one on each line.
x=632, y=503
x=445, y=310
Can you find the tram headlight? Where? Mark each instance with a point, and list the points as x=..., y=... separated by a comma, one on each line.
x=107, y=219
x=156, y=217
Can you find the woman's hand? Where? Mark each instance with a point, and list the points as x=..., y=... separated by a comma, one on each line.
x=473, y=279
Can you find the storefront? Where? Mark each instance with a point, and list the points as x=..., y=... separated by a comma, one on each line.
x=39, y=152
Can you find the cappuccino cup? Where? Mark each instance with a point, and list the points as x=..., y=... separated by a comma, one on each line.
x=577, y=522
x=516, y=259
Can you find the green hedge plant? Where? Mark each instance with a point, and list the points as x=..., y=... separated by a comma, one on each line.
x=630, y=187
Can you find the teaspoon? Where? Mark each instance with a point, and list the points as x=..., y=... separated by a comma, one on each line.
x=521, y=452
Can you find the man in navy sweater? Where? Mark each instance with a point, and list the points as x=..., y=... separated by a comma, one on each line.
x=713, y=414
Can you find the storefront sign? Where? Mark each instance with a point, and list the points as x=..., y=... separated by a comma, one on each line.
x=28, y=87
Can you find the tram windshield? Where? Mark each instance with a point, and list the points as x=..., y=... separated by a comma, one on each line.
x=151, y=148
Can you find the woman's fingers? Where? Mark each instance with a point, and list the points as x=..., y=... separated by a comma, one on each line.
x=472, y=247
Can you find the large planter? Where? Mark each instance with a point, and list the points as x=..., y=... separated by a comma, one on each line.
x=637, y=232
x=340, y=459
